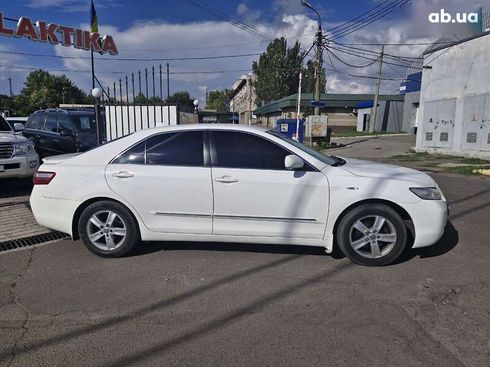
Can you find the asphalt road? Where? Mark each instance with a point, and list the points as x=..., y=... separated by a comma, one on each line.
x=248, y=305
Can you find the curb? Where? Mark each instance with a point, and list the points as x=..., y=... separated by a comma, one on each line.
x=369, y=136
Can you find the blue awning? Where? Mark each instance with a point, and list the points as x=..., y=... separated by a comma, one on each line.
x=364, y=104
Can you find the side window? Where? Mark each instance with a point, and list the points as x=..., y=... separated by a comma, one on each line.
x=36, y=121
x=135, y=155
x=176, y=149
x=65, y=123
x=241, y=150
x=51, y=123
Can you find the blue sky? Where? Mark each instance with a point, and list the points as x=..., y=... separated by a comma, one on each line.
x=174, y=28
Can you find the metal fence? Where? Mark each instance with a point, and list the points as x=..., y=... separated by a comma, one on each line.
x=128, y=106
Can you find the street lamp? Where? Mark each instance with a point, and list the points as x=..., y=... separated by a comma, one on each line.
x=306, y=4
x=97, y=94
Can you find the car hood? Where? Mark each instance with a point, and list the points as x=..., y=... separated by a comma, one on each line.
x=376, y=170
x=11, y=137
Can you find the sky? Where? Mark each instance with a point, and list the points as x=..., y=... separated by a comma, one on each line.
x=173, y=29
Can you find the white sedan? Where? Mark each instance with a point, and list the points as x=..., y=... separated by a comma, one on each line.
x=232, y=183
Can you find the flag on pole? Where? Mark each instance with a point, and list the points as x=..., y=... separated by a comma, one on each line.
x=94, y=23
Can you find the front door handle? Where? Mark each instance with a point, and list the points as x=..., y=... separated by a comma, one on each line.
x=123, y=174
x=226, y=179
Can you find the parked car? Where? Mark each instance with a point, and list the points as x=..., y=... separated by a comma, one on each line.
x=58, y=131
x=235, y=183
x=18, y=158
x=13, y=120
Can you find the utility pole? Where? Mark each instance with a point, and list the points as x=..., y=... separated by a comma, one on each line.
x=298, y=110
x=319, y=62
x=10, y=87
x=372, y=121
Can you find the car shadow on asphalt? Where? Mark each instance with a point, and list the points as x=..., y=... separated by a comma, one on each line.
x=448, y=241
x=150, y=247
x=12, y=187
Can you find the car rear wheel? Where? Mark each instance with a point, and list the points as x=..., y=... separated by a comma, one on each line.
x=372, y=235
x=108, y=229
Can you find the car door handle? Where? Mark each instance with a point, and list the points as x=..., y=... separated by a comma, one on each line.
x=122, y=174
x=226, y=179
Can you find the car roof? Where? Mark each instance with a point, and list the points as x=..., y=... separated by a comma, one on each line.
x=67, y=110
x=204, y=126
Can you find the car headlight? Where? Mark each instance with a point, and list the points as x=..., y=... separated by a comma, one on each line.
x=427, y=193
x=23, y=148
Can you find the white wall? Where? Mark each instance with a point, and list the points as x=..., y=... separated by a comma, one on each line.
x=455, y=100
x=360, y=118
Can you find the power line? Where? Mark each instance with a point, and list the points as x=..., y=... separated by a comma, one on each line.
x=345, y=24
x=349, y=64
x=131, y=59
x=344, y=45
x=368, y=58
x=398, y=44
x=124, y=72
x=370, y=19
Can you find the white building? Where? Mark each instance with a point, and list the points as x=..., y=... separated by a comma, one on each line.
x=455, y=99
x=242, y=100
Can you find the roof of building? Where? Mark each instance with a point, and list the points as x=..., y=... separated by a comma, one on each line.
x=452, y=41
x=329, y=99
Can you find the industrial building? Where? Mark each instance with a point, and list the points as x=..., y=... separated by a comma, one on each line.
x=454, y=116
x=342, y=110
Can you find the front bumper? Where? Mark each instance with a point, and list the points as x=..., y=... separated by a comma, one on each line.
x=19, y=167
x=429, y=219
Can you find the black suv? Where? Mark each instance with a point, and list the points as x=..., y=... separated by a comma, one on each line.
x=59, y=131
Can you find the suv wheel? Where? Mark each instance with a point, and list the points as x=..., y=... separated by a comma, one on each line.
x=108, y=229
x=372, y=235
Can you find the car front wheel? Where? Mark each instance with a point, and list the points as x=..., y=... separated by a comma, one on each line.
x=372, y=235
x=108, y=229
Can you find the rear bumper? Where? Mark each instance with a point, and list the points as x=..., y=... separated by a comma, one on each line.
x=19, y=167
x=429, y=220
x=56, y=214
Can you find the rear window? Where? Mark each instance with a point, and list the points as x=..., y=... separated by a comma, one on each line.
x=84, y=122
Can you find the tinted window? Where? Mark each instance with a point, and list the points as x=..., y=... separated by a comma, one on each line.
x=36, y=121
x=241, y=150
x=135, y=155
x=176, y=149
x=51, y=124
x=65, y=123
x=84, y=121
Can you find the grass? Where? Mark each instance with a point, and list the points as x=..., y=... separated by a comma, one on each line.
x=354, y=133
x=424, y=159
x=466, y=170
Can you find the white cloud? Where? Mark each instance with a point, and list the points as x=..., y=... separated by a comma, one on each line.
x=248, y=15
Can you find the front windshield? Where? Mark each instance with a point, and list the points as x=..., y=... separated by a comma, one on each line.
x=321, y=157
x=84, y=122
x=4, y=126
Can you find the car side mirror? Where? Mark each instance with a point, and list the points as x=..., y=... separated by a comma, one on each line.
x=292, y=162
x=18, y=127
x=66, y=132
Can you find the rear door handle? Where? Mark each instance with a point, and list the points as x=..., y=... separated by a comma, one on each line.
x=123, y=174
x=226, y=179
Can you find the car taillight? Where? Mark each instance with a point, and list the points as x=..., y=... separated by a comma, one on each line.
x=43, y=178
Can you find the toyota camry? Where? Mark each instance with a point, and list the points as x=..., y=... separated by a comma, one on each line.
x=233, y=183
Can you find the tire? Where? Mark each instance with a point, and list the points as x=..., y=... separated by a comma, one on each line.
x=372, y=235
x=108, y=229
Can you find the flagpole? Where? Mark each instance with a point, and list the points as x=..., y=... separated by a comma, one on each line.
x=93, y=69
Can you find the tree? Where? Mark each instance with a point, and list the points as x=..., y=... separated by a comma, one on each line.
x=183, y=99
x=219, y=100
x=44, y=90
x=277, y=71
x=309, y=78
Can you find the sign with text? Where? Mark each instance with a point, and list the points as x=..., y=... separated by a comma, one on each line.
x=59, y=34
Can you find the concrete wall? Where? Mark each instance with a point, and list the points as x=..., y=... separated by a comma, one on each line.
x=455, y=100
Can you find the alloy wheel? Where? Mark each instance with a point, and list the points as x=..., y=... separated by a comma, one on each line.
x=106, y=230
x=372, y=236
